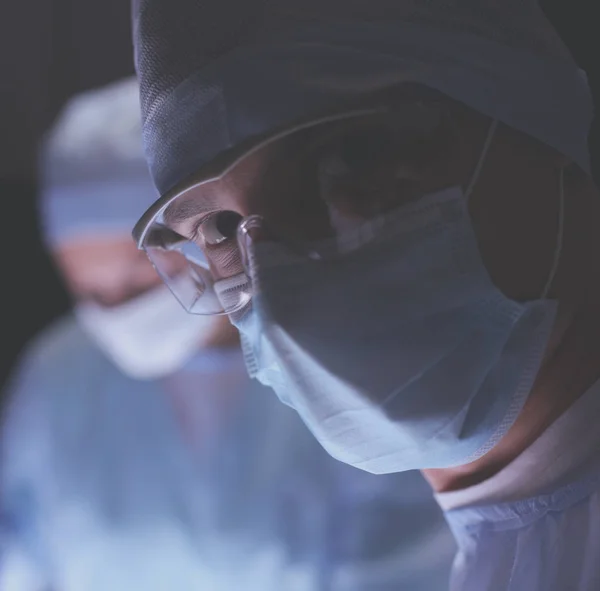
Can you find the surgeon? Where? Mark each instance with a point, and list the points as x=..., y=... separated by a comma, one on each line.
x=395, y=203
x=137, y=454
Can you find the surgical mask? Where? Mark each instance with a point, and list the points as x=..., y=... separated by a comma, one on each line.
x=402, y=354
x=148, y=337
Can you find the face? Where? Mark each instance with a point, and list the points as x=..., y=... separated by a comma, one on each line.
x=312, y=184
x=382, y=386
x=106, y=270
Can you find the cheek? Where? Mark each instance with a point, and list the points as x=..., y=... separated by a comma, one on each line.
x=106, y=274
x=84, y=271
x=515, y=216
x=142, y=271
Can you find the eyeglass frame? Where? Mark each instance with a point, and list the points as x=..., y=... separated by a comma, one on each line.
x=225, y=162
x=385, y=102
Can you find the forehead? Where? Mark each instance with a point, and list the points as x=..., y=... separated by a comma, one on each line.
x=224, y=192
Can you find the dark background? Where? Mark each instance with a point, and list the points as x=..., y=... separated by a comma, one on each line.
x=52, y=49
x=49, y=50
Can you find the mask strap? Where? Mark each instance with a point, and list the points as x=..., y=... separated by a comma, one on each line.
x=482, y=157
x=560, y=237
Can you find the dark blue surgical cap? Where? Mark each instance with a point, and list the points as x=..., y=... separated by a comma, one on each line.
x=94, y=178
x=214, y=73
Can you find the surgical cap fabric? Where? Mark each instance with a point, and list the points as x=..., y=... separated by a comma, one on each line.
x=214, y=73
x=94, y=178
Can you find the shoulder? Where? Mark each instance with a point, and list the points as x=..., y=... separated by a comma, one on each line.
x=62, y=338
x=54, y=372
x=59, y=350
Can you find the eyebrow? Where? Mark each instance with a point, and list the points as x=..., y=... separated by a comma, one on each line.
x=189, y=206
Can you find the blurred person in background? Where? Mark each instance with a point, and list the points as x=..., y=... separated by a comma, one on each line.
x=136, y=452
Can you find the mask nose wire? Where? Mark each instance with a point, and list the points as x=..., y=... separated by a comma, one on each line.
x=560, y=236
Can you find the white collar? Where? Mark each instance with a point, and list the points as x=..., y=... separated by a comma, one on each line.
x=566, y=450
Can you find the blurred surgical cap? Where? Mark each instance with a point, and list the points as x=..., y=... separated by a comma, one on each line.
x=214, y=73
x=94, y=177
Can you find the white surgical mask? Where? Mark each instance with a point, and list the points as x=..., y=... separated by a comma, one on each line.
x=147, y=337
x=402, y=354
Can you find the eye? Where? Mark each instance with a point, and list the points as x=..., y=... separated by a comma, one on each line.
x=220, y=227
x=376, y=166
x=374, y=147
x=355, y=152
x=356, y=173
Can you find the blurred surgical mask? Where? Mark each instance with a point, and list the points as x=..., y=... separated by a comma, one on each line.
x=147, y=337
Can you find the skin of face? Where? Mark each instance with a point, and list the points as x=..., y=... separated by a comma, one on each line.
x=110, y=270
x=107, y=269
x=517, y=191
x=515, y=212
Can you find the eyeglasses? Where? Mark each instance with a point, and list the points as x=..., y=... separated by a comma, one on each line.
x=192, y=260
